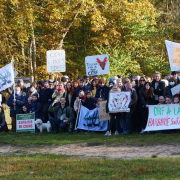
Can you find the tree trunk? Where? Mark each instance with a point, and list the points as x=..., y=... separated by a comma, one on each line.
x=30, y=62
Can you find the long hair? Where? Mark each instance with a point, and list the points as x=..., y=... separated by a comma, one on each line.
x=148, y=93
x=92, y=87
x=72, y=88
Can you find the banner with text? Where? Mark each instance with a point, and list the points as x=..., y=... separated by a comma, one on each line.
x=170, y=48
x=89, y=120
x=103, y=116
x=97, y=65
x=25, y=123
x=119, y=102
x=56, y=61
x=163, y=117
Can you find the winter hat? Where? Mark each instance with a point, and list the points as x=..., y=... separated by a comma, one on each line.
x=63, y=79
x=35, y=94
x=111, y=79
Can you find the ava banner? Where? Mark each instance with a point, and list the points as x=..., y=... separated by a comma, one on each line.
x=170, y=48
x=89, y=120
x=97, y=65
x=163, y=117
x=119, y=102
x=6, y=76
x=25, y=123
x=56, y=61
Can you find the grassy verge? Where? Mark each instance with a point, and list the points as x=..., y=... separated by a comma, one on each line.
x=91, y=138
x=63, y=167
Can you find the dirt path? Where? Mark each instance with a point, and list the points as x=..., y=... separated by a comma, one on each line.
x=86, y=151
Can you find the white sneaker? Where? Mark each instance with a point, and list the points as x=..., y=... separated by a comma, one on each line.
x=108, y=133
x=116, y=133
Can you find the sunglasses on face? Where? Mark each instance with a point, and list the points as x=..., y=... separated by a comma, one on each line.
x=142, y=80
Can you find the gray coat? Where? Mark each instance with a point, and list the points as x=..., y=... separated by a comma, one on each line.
x=67, y=110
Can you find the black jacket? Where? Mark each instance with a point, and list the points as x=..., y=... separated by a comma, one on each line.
x=167, y=91
x=46, y=96
x=100, y=93
x=146, y=100
x=90, y=103
x=160, y=88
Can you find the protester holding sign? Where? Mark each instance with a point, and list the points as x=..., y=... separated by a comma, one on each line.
x=158, y=86
x=16, y=103
x=146, y=99
x=114, y=117
x=90, y=102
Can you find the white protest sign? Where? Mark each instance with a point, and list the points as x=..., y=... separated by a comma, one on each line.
x=119, y=102
x=6, y=76
x=169, y=47
x=176, y=56
x=175, y=90
x=97, y=65
x=163, y=117
x=25, y=122
x=103, y=116
x=56, y=61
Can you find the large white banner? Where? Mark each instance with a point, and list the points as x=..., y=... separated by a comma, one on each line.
x=163, y=117
x=97, y=65
x=119, y=102
x=89, y=120
x=56, y=61
x=169, y=47
x=6, y=76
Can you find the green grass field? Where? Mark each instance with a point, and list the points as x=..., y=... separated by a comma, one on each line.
x=63, y=167
x=48, y=166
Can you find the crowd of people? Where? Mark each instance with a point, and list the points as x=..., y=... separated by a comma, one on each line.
x=59, y=102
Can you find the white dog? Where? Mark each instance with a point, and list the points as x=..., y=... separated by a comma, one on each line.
x=40, y=125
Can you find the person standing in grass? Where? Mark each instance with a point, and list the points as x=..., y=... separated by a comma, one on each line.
x=146, y=99
x=16, y=103
x=3, y=124
x=114, y=117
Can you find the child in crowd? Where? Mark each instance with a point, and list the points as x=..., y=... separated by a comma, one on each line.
x=168, y=100
x=176, y=99
x=3, y=124
x=90, y=102
x=80, y=98
x=98, y=102
x=35, y=106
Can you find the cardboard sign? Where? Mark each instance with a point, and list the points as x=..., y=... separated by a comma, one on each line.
x=119, y=102
x=103, y=116
x=169, y=47
x=56, y=61
x=163, y=117
x=175, y=90
x=176, y=56
x=25, y=123
x=97, y=65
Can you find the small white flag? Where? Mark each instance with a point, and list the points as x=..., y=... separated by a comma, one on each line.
x=6, y=76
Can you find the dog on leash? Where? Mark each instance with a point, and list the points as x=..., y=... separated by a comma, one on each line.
x=40, y=125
